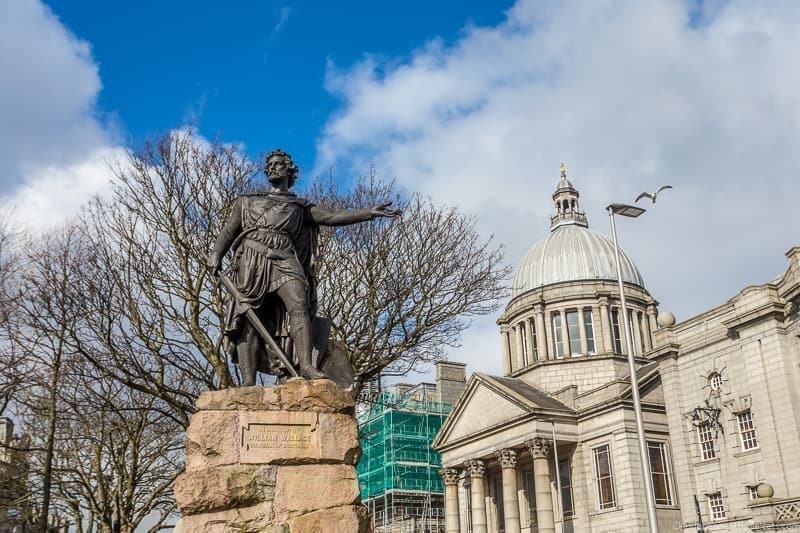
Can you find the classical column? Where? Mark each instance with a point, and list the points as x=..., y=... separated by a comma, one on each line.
x=529, y=334
x=540, y=449
x=477, y=470
x=541, y=335
x=506, y=351
x=450, y=477
x=564, y=334
x=605, y=325
x=508, y=463
x=651, y=317
x=646, y=333
x=582, y=332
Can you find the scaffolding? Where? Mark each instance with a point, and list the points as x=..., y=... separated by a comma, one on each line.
x=399, y=471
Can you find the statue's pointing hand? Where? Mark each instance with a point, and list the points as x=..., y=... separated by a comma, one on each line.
x=384, y=210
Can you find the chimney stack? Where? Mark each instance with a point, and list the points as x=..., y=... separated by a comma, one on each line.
x=451, y=378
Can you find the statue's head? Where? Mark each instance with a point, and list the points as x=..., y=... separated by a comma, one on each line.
x=280, y=165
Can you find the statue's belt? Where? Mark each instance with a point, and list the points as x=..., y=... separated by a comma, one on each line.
x=271, y=251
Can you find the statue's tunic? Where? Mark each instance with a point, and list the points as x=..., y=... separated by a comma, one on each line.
x=273, y=246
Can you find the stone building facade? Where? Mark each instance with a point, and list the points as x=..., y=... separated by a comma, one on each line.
x=551, y=445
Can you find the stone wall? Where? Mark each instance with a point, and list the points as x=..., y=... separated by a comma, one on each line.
x=278, y=460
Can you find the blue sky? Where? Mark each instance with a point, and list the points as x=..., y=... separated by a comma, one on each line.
x=472, y=103
x=249, y=71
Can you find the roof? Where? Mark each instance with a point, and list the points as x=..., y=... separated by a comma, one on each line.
x=572, y=253
x=529, y=392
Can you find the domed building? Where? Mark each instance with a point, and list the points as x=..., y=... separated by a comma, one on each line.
x=551, y=445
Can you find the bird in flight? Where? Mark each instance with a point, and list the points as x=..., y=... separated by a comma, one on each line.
x=653, y=195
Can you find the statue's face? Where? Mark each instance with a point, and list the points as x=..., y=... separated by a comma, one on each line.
x=279, y=168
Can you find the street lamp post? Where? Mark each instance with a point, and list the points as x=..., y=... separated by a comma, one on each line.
x=633, y=212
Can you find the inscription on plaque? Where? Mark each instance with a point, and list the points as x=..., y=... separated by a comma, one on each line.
x=276, y=437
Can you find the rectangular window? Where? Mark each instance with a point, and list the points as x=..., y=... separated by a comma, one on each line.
x=747, y=431
x=588, y=326
x=604, y=478
x=496, y=488
x=705, y=436
x=615, y=329
x=523, y=332
x=752, y=492
x=565, y=473
x=715, y=506
x=557, y=335
x=659, y=469
x=533, y=342
x=573, y=332
x=530, y=495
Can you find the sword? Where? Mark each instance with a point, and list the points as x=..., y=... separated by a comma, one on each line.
x=256, y=323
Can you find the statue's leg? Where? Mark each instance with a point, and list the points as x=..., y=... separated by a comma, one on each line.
x=293, y=295
x=247, y=346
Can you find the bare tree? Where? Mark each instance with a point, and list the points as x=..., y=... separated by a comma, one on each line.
x=117, y=457
x=401, y=292
x=45, y=309
x=10, y=376
x=100, y=452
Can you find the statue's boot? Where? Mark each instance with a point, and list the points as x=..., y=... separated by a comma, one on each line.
x=309, y=372
x=301, y=336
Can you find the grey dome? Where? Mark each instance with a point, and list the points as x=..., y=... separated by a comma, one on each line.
x=572, y=252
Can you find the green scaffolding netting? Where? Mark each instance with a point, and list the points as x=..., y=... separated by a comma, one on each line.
x=396, y=435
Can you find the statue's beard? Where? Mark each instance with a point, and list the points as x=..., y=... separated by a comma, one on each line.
x=278, y=180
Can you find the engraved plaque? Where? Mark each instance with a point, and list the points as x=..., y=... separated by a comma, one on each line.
x=266, y=437
x=276, y=436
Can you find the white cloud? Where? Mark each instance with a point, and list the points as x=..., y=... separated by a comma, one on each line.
x=55, y=194
x=54, y=142
x=631, y=95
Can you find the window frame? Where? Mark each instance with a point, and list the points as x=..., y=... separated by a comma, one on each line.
x=722, y=513
x=523, y=328
x=612, y=503
x=558, y=344
x=616, y=331
x=528, y=485
x=566, y=486
x=577, y=326
x=591, y=343
x=667, y=474
x=748, y=438
x=715, y=381
x=705, y=428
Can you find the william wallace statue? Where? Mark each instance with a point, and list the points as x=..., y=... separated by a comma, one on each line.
x=273, y=237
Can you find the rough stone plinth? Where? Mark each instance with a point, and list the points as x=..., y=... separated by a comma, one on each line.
x=278, y=460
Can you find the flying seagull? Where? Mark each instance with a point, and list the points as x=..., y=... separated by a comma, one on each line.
x=654, y=195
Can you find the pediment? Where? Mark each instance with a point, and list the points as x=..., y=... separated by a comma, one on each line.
x=490, y=402
x=485, y=409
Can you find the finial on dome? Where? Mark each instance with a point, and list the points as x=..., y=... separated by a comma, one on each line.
x=566, y=203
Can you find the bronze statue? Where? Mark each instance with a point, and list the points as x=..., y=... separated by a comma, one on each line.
x=273, y=236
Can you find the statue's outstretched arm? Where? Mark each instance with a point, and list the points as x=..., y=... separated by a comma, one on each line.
x=339, y=217
x=228, y=234
x=343, y=217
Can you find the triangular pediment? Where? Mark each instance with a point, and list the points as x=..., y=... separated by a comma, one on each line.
x=490, y=402
x=485, y=409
